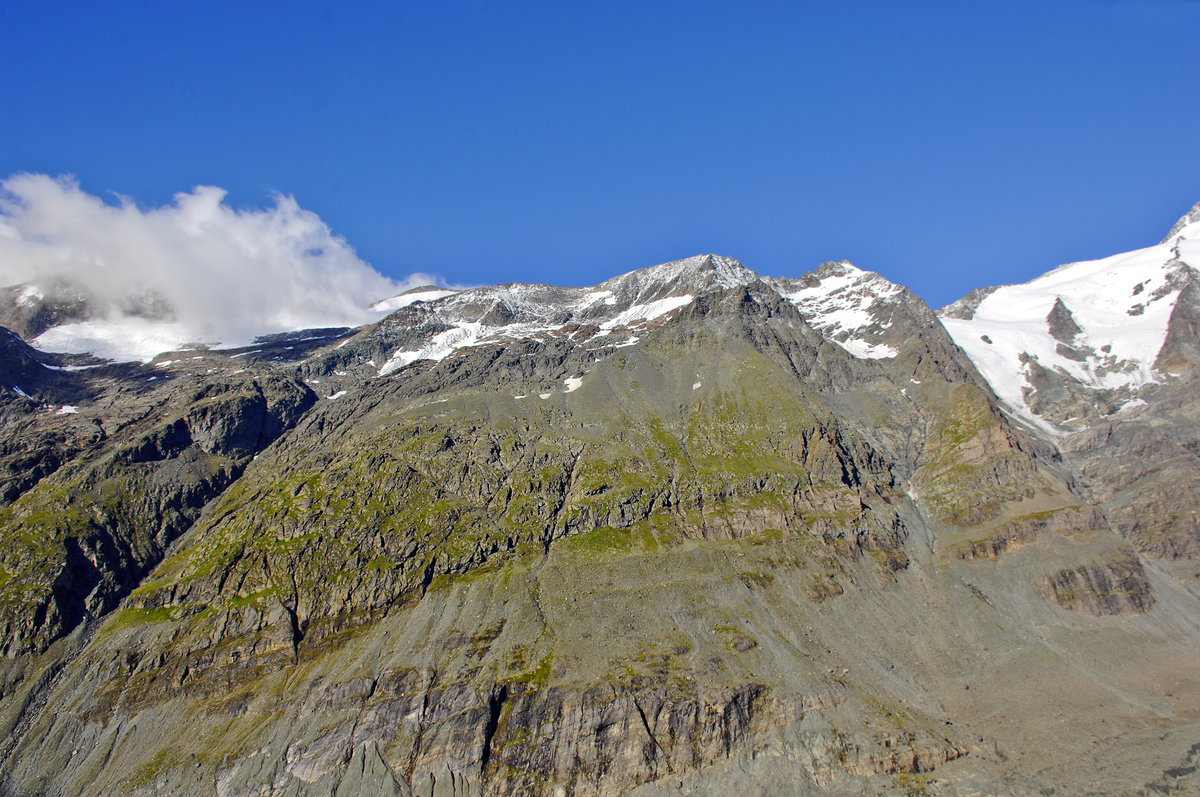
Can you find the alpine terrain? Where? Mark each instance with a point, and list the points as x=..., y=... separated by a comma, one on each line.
x=689, y=531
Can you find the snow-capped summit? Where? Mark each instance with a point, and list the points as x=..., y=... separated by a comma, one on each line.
x=1099, y=325
x=693, y=275
x=608, y=314
x=1188, y=219
x=845, y=304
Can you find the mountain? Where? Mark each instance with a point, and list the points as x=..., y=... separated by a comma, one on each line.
x=1087, y=339
x=691, y=530
x=1101, y=358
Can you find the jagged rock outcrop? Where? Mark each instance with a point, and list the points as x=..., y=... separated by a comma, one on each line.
x=1025, y=529
x=31, y=310
x=1115, y=587
x=1191, y=217
x=103, y=520
x=1061, y=324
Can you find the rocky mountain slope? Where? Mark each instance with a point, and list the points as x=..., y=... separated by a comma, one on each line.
x=689, y=531
x=1101, y=358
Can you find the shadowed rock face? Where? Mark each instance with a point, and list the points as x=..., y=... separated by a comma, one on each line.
x=725, y=547
x=1115, y=587
x=29, y=311
x=1061, y=324
x=95, y=527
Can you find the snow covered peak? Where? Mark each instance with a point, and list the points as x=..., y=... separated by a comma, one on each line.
x=1099, y=324
x=612, y=313
x=853, y=308
x=724, y=271
x=425, y=293
x=845, y=304
x=1188, y=219
x=693, y=275
x=965, y=307
x=842, y=276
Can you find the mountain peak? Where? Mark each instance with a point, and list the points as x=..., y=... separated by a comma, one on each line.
x=838, y=268
x=843, y=302
x=842, y=276
x=1191, y=217
x=694, y=275
x=728, y=271
x=1096, y=326
x=423, y=293
x=964, y=309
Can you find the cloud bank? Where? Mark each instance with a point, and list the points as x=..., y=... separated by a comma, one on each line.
x=203, y=271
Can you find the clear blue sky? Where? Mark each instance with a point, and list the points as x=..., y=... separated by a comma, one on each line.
x=947, y=145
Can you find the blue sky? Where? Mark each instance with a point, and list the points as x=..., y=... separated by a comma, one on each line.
x=947, y=145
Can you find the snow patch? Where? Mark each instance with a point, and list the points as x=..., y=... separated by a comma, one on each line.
x=642, y=313
x=405, y=299
x=67, y=409
x=439, y=347
x=29, y=296
x=840, y=307
x=1122, y=331
x=72, y=367
x=127, y=339
x=335, y=396
x=572, y=384
x=867, y=351
x=598, y=296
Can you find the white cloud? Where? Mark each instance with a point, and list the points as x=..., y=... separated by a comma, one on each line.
x=226, y=274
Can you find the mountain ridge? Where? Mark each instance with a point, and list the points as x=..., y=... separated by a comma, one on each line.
x=687, y=530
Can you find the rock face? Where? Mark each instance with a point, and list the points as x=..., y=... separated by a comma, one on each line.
x=31, y=310
x=99, y=523
x=687, y=531
x=1114, y=587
